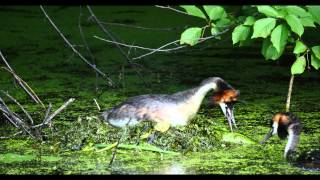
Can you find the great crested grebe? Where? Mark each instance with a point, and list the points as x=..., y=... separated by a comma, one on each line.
x=287, y=125
x=177, y=109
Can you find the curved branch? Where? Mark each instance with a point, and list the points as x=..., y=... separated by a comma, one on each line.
x=74, y=50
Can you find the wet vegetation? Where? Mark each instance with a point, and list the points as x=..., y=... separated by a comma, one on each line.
x=75, y=141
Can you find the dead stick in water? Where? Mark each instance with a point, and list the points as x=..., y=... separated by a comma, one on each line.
x=55, y=113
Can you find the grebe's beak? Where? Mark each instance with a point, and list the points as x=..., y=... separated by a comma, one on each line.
x=270, y=133
x=227, y=109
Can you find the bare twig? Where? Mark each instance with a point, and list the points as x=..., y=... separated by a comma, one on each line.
x=95, y=101
x=161, y=48
x=140, y=27
x=108, y=33
x=74, y=50
x=47, y=114
x=180, y=47
x=22, y=83
x=55, y=113
x=20, y=132
x=12, y=122
x=5, y=109
x=143, y=48
x=13, y=118
x=21, y=107
x=87, y=47
x=168, y=7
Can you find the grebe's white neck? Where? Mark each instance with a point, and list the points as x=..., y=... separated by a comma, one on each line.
x=293, y=141
x=204, y=89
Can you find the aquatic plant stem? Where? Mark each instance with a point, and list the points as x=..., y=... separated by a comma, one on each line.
x=289, y=93
x=114, y=152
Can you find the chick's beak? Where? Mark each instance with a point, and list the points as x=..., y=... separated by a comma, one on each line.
x=227, y=109
x=267, y=136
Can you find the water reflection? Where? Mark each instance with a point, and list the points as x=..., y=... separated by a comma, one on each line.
x=174, y=168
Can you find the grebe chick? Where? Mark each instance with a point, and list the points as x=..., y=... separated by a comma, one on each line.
x=287, y=125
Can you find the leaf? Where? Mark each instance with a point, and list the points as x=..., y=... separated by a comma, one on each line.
x=299, y=65
x=222, y=23
x=279, y=37
x=299, y=48
x=194, y=11
x=214, y=31
x=315, y=62
x=307, y=21
x=315, y=12
x=263, y=27
x=249, y=21
x=296, y=10
x=237, y=138
x=268, y=10
x=162, y=126
x=295, y=24
x=191, y=36
x=316, y=51
x=142, y=146
x=240, y=33
x=13, y=158
x=268, y=51
x=214, y=12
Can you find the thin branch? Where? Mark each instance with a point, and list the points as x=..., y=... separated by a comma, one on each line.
x=95, y=101
x=11, y=114
x=130, y=46
x=87, y=47
x=107, y=32
x=22, y=83
x=168, y=7
x=55, y=113
x=20, y=132
x=47, y=114
x=5, y=115
x=140, y=27
x=21, y=107
x=74, y=50
x=180, y=47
